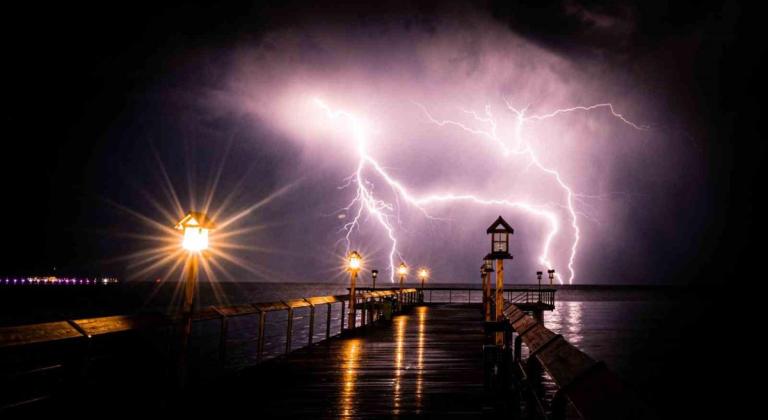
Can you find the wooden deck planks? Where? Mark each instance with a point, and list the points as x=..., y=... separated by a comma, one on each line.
x=428, y=361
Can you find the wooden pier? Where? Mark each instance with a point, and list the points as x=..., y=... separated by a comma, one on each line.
x=427, y=361
x=436, y=358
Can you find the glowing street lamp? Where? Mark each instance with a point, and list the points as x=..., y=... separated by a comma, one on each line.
x=423, y=274
x=500, y=231
x=551, y=276
x=402, y=270
x=374, y=274
x=195, y=227
x=354, y=264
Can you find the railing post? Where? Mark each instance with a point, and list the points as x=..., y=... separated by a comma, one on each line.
x=311, y=323
x=343, y=312
x=260, y=351
x=449, y=295
x=289, y=331
x=469, y=295
x=328, y=321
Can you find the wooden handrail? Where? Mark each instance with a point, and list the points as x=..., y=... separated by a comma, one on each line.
x=86, y=328
x=593, y=390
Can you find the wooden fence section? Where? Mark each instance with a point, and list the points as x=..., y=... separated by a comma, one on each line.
x=591, y=388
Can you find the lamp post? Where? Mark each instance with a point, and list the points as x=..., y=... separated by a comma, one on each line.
x=551, y=276
x=354, y=262
x=402, y=270
x=374, y=274
x=487, y=270
x=538, y=276
x=500, y=231
x=423, y=274
x=195, y=227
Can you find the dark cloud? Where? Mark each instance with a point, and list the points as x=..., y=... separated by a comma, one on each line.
x=90, y=88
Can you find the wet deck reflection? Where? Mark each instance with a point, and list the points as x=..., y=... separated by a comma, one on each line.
x=427, y=361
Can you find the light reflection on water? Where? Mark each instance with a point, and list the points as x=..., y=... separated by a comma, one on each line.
x=566, y=319
x=421, y=312
x=351, y=356
x=399, y=344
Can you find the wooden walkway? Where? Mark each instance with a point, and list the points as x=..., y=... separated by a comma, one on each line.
x=428, y=362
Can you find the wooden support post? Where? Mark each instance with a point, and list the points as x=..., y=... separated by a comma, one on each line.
x=362, y=312
x=352, y=300
x=311, y=324
x=341, y=320
x=499, y=299
x=289, y=331
x=260, y=344
x=488, y=296
x=190, y=288
x=328, y=321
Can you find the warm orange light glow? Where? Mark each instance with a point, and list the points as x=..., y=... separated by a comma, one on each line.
x=402, y=269
x=354, y=261
x=423, y=273
x=400, y=325
x=351, y=357
x=422, y=317
x=195, y=226
x=195, y=239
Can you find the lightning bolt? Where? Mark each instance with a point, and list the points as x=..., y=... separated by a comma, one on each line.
x=365, y=199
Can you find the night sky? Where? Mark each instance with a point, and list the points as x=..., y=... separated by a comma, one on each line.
x=96, y=96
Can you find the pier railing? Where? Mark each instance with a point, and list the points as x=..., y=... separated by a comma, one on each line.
x=592, y=389
x=518, y=295
x=81, y=339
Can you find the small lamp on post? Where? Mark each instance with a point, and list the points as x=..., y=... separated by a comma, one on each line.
x=423, y=274
x=195, y=227
x=538, y=276
x=354, y=263
x=402, y=270
x=500, y=231
x=551, y=273
x=374, y=274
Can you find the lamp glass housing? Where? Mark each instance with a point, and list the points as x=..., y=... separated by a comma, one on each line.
x=195, y=239
x=354, y=261
x=402, y=269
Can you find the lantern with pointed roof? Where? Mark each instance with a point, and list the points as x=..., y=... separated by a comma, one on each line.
x=488, y=263
x=195, y=227
x=354, y=261
x=500, y=231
